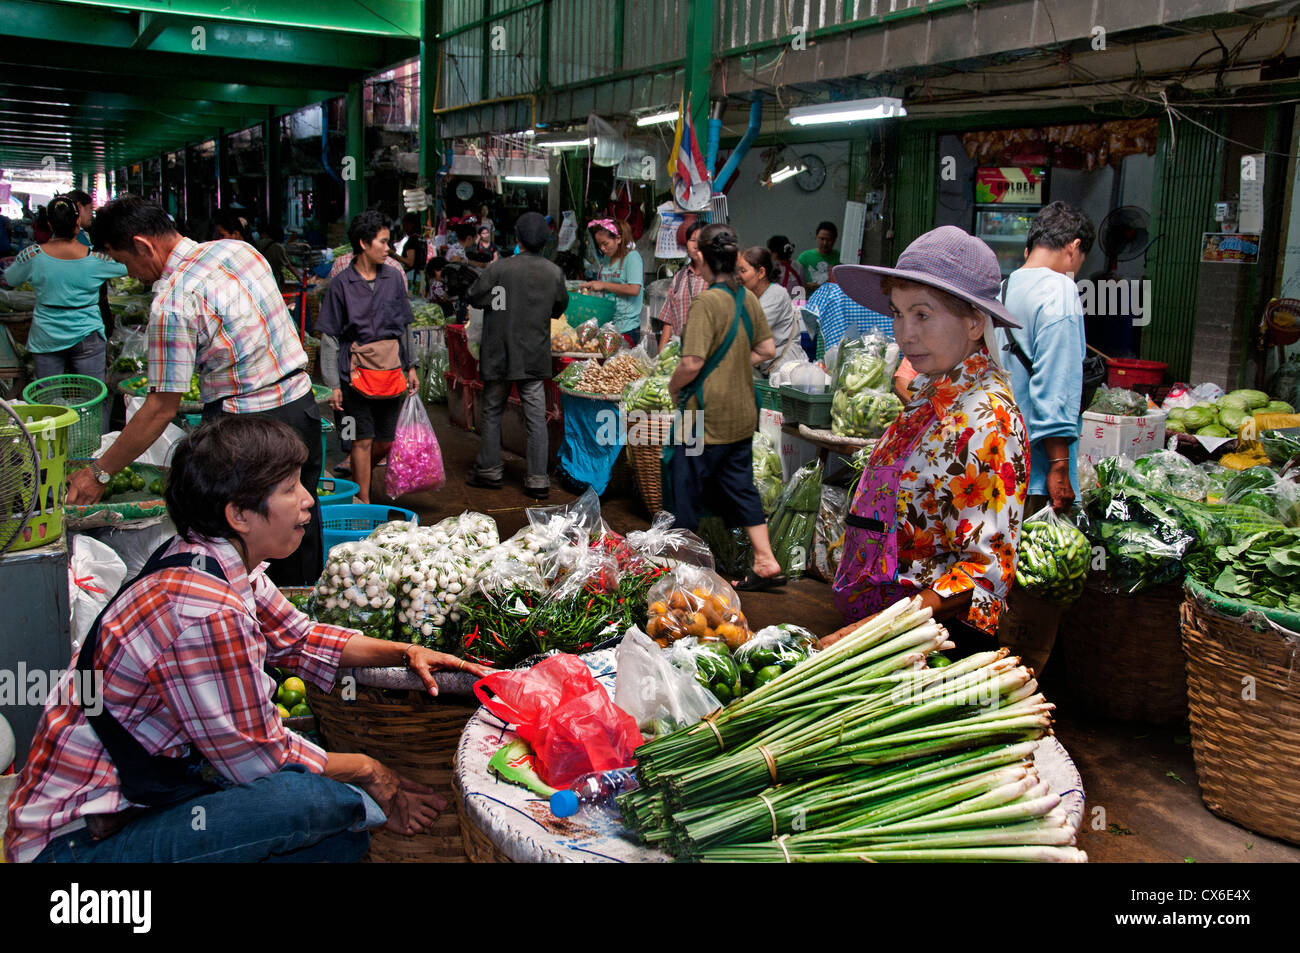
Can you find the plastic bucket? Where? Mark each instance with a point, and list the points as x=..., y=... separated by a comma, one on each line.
x=332, y=491
x=49, y=427
x=1134, y=374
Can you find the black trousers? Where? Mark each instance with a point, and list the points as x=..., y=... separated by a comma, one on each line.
x=303, y=568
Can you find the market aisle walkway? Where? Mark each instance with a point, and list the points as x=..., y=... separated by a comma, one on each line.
x=1142, y=776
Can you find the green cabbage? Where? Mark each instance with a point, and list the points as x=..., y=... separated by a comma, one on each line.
x=1276, y=407
x=1213, y=430
x=1232, y=418
x=1251, y=398
x=1198, y=416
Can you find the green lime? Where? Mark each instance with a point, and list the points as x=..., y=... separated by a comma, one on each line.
x=938, y=660
x=137, y=483
x=288, y=697
x=300, y=710
x=766, y=674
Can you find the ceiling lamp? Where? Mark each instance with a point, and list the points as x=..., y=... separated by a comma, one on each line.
x=566, y=143
x=529, y=179
x=656, y=118
x=882, y=107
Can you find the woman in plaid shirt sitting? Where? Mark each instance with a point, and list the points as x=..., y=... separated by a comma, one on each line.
x=177, y=753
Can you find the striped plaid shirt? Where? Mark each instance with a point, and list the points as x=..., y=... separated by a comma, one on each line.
x=182, y=656
x=218, y=311
x=838, y=314
x=685, y=287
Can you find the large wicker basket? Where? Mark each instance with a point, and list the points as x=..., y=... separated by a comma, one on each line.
x=478, y=846
x=646, y=439
x=19, y=324
x=416, y=735
x=1243, y=686
x=1123, y=655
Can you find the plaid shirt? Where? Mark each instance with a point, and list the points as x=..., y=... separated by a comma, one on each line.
x=182, y=657
x=685, y=287
x=219, y=311
x=837, y=312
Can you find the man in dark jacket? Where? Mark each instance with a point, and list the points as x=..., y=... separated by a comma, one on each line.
x=520, y=296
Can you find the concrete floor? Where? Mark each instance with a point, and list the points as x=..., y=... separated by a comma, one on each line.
x=1141, y=777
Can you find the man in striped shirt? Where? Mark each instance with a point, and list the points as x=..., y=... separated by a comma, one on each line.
x=218, y=312
x=180, y=661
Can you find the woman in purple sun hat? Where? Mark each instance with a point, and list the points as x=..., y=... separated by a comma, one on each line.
x=938, y=510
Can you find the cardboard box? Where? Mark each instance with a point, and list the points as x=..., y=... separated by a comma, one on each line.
x=1105, y=435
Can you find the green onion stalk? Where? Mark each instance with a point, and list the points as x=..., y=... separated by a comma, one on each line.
x=862, y=752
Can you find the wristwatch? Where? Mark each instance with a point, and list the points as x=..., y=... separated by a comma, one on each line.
x=102, y=477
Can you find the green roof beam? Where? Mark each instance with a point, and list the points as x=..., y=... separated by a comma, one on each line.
x=397, y=18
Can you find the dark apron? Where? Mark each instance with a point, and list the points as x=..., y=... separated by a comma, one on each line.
x=155, y=781
x=303, y=568
x=866, y=580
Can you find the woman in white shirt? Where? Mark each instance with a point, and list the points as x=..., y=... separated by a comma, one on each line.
x=755, y=267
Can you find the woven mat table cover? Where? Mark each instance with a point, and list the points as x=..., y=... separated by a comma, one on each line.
x=521, y=826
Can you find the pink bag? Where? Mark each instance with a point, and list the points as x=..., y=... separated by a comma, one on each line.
x=415, y=460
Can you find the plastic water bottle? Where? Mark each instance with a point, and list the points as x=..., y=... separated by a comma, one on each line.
x=597, y=789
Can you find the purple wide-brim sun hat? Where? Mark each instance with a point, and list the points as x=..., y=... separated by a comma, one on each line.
x=946, y=258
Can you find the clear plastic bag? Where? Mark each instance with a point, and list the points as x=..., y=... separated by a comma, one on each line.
x=1053, y=557
x=866, y=363
x=588, y=336
x=496, y=624
x=429, y=588
x=733, y=554
x=794, y=520
x=434, y=364
x=1170, y=472
x=470, y=532
x=474, y=331
x=579, y=521
x=667, y=360
x=572, y=375
x=773, y=651
x=828, y=540
x=1118, y=402
x=649, y=395
x=356, y=590
x=659, y=695
x=1263, y=489
x=767, y=470
x=710, y=664
x=689, y=601
x=128, y=348
x=415, y=461
x=609, y=342
x=665, y=546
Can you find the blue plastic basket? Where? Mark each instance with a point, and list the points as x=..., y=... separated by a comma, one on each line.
x=349, y=522
x=332, y=491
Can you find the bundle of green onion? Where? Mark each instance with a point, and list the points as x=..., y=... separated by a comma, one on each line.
x=862, y=752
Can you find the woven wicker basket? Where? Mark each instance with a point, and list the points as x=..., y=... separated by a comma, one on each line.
x=1246, y=749
x=478, y=846
x=645, y=442
x=19, y=324
x=312, y=347
x=1124, y=659
x=416, y=735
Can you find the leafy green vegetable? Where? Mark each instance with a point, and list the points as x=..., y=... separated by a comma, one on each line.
x=1279, y=445
x=1198, y=416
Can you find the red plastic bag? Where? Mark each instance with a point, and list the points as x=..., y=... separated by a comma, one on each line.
x=567, y=717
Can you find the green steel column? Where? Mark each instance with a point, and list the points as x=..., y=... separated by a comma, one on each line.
x=430, y=140
x=699, y=63
x=915, y=185
x=355, y=151
x=1187, y=180
x=219, y=164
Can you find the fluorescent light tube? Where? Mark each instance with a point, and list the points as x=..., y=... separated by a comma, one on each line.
x=656, y=118
x=883, y=107
x=529, y=179
x=565, y=143
x=789, y=172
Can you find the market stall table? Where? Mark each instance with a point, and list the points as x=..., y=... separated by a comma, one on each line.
x=503, y=822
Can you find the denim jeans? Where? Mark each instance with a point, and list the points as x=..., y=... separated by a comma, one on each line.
x=87, y=357
x=292, y=816
x=533, y=395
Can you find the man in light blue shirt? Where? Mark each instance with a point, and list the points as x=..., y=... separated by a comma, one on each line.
x=1045, y=357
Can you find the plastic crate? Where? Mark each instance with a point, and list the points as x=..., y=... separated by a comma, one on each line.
x=461, y=362
x=583, y=308
x=80, y=393
x=350, y=522
x=49, y=427
x=767, y=396
x=332, y=491
x=799, y=407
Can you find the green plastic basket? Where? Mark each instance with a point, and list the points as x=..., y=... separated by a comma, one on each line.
x=80, y=393
x=1236, y=608
x=767, y=396
x=583, y=308
x=49, y=426
x=798, y=407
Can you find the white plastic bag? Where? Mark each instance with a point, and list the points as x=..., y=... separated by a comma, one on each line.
x=136, y=544
x=568, y=233
x=160, y=454
x=95, y=573
x=473, y=330
x=661, y=697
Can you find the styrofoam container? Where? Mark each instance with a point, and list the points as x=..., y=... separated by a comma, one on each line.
x=1106, y=435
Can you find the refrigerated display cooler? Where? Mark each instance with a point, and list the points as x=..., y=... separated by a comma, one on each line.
x=1006, y=200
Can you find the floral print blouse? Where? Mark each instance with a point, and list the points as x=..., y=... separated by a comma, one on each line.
x=962, y=493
